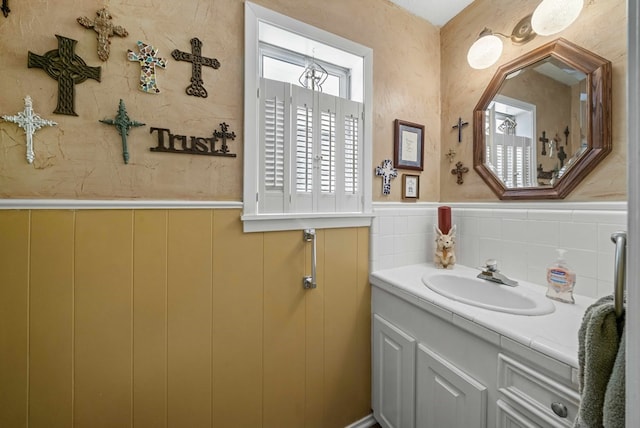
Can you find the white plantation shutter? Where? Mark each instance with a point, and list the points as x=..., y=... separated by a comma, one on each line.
x=352, y=149
x=274, y=134
x=513, y=160
x=311, y=151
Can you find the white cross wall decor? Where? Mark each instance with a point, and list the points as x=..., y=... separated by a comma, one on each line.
x=387, y=171
x=30, y=122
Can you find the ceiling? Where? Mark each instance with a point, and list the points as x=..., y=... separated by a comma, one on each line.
x=437, y=12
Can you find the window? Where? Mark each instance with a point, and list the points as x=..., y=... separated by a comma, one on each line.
x=512, y=155
x=306, y=149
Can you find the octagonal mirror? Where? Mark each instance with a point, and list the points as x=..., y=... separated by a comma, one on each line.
x=543, y=122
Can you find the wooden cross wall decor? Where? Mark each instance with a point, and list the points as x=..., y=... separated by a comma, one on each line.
x=105, y=29
x=123, y=124
x=148, y=63
x=68, y=69
x=459, y=170
x=387, y=171
x=30, y=122
x=5, y=8
x=196, y=88
x=459, y=126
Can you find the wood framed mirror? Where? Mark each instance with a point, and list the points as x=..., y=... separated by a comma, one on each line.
x=543, y=122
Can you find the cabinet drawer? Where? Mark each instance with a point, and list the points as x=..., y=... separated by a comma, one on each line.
x=537, y=394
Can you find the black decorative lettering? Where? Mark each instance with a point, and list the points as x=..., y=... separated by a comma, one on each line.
x=194, y=145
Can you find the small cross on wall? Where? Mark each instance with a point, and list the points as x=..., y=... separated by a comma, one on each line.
x=459, y=170
x=459, y=127
x=387, y=171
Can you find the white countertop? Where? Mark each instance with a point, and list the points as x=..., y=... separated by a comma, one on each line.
x=554, y=334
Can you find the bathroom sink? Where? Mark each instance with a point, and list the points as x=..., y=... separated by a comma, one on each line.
x=489, y=295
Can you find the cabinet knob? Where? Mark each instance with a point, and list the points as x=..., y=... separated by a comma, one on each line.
x=559, y=409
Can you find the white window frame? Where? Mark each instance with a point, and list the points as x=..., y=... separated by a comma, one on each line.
x=253, y=221
x=285, y=55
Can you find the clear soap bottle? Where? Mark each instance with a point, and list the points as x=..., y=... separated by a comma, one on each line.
x=561, y=279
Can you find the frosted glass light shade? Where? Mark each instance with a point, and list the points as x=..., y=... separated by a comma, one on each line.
x=484, y=52
x=553, y=16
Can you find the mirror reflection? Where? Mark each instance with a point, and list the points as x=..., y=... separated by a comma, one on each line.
x=536, y=124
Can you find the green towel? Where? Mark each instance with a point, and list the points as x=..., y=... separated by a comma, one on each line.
x=614, y=397
x=598, y=342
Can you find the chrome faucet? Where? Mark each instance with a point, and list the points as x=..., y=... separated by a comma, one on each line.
x=491, y=273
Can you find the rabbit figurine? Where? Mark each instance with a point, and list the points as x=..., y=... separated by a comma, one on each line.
x=444, y=256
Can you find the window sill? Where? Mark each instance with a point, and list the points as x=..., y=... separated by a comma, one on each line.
x=277, y=222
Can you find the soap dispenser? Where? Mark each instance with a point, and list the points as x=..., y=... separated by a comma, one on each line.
x=561, y=279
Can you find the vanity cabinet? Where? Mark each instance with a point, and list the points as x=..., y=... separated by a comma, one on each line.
x=415, y=387
x=436, y=369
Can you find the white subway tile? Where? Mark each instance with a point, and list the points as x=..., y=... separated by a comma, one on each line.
x=611, y=217
x=542, y=232
x=550, y=215
x=467, y=226
x=489, y=227
x=583, y=262
x=605, y=244
x=605, y=266
x=510, y=214
x=490, y=249
x=387, y=245
x=605, y=288
x=540, y=256
x=514, y=230
x=578, y=235
x=586, y=286
x=400, y=225
x=386, y=225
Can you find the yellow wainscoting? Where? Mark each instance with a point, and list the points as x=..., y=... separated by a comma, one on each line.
x=176, y=318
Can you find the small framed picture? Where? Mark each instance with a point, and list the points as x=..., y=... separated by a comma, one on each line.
x=410, y=186
x=408, y=145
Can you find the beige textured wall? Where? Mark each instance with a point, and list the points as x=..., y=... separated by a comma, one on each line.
x=600, y=28
x=81, y=158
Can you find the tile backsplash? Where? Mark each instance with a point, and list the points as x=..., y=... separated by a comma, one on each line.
x=522, y=237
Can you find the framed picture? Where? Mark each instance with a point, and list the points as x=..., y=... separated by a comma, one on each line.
x=410, y=186
x=409, y=145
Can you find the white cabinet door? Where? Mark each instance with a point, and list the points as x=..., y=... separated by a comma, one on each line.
x=393, y=375
x=446, y=397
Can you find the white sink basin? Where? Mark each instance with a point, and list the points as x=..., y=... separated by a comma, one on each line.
x=489, y=295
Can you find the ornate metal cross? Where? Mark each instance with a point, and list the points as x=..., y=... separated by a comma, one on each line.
x=544, y=140
x=105, y=29
x=566, y=135
x=196, y=88
x=459, y=170
x=148, y=63
x=459, y=126
x=387, y=171
x=68, y=69
x=5, y=8
x=30, y=122
x=223, y=135
x=123, y=124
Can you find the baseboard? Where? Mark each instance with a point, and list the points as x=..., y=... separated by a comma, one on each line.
x=366, y=422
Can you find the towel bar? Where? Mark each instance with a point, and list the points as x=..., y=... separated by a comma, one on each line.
x=310, y=281
x=620, y=261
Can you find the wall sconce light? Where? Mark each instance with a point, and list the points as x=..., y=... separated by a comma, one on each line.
x=550, y=17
